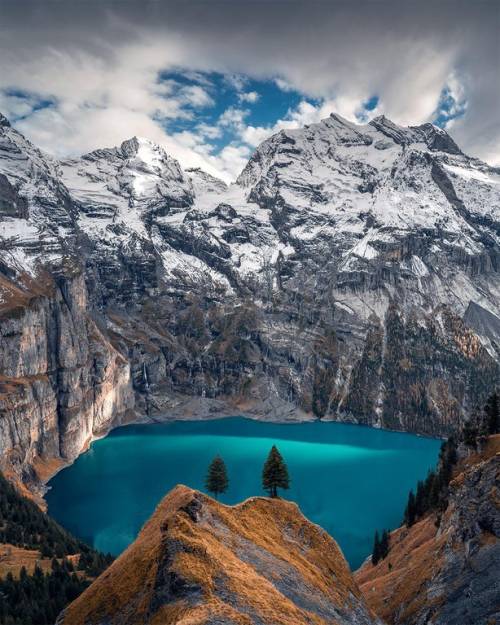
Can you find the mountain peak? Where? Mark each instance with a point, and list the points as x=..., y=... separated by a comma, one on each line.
x=340, y=119
x=4, y=121
x=382, y=122
x=436, y=138
x=132, y=146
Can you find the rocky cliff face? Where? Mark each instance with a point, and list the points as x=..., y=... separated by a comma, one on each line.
x=445, y=572
x=332, y=280
x=62, y=382
x=199, y=562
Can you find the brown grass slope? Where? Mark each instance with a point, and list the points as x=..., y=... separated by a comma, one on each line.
x=446, y=575
x=197, y=562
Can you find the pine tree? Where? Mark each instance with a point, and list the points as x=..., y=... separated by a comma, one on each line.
x=470, y=434
x=410, y=510
x=376, y=549
x=492, y=414
x=434, y=491
x=275, y=473
x=384, y=544
x=420, y=499
x=217, y=481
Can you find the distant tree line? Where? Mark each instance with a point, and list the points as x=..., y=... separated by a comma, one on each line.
x=37, y=599
x=432, y=493
x=477, y=429
x=380, y=546
x=23, y=524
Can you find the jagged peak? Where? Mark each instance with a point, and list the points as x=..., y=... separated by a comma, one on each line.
x=4, y=121
x=132, y=146
x=381, y=121
x=341, y=120
x=437, y=138
x=135, y=147
x=431, y=127
x=202, y=180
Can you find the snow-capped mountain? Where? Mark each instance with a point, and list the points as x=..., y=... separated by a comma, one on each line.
x=385, y=207
x=331, y=279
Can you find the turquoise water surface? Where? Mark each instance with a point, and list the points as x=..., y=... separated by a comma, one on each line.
x=349, y=479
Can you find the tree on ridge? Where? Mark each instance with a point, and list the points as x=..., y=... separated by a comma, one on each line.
x=217, y=481
x=275, y=473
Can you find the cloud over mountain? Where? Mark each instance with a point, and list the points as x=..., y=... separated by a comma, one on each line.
x=74, y=76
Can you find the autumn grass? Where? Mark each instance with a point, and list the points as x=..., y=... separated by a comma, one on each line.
x=206, y=555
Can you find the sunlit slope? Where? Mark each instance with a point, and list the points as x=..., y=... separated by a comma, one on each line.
x=200, y=562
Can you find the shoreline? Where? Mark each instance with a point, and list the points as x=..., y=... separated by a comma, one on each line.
x=225, y=410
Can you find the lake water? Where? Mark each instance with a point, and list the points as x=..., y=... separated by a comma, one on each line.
x=349, y=479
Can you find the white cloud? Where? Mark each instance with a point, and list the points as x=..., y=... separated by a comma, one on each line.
x=209, y=131
x=196, y=96
x=236, y=81
x=249, y=96
x=233, y=117
x=14, y=106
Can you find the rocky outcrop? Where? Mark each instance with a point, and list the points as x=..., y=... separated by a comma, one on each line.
x=485, y=324
x=199, y=562
x=61, y=383
x=445, y=570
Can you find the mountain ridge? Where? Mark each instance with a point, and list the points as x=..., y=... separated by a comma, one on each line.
x=199, y=561
x=330, y=282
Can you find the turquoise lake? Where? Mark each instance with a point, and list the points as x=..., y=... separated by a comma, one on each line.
x=349, y=479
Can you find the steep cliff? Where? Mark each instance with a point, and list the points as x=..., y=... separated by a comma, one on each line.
x=61, y=382
x=199, y=562
x=445, y=571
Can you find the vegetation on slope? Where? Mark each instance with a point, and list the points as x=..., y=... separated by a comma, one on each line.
x=198, y=561
x=63, y=565
x=446, y=574
x=432, y=494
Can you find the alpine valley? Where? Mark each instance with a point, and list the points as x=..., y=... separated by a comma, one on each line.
x=350, y=273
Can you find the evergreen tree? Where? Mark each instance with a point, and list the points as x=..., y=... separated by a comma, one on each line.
x=434, y=490
x=376, y=549
x=410, y=511
x=470, y=434
x=380, y=547
x=275, y=473
x=492, y=414
x=217, y=481
x=384, y=544
x=420, y=499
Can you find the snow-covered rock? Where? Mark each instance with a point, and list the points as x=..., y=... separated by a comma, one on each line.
x=332, y=276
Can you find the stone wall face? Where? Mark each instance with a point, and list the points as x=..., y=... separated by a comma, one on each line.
x=61, y=380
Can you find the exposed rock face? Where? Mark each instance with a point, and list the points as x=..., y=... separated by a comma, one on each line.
x=199, y=562
x=330, y=281
x=61, y=381
x=449, y=574
x=485, y=324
